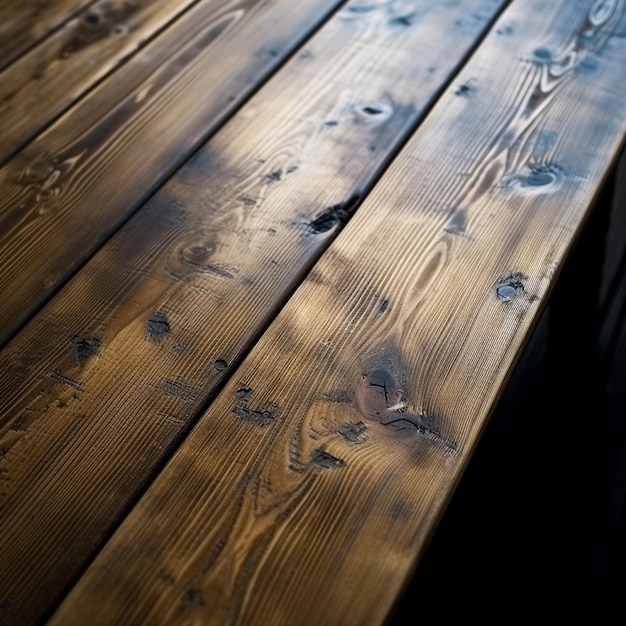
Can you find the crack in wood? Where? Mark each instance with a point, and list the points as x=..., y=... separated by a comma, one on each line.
x=262, y=416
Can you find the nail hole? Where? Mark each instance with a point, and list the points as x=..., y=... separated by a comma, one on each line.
x=510, y=286
x=542, y=54
x=92, y=18
x=220, y=365
x=374, y=112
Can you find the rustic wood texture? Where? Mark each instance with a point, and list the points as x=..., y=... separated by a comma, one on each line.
x=69, y=189
x=53, y=75
x=98, y=389
x=308, y=490
x=23, y=23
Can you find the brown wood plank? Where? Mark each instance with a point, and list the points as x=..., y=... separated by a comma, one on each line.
x=23, y=23
x=308, y=490
x=71, y=187
x=52, y=76
x=99, y=388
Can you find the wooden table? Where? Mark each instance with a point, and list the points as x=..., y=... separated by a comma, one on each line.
x=267, y=267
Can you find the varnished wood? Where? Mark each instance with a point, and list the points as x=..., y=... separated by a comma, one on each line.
x=23, y=23
x=70, y=188
x=100, y=387
x=308, y=490
x=43, y=83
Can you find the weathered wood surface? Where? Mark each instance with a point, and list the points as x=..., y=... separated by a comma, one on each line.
x=100, y=387
x=56, y=73
x=308, y=490
x=71, y=187
x=23, y=23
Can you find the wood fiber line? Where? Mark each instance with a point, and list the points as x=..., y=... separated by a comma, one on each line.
x=23, y=23
x=52, y=76
x=308, y=490
x=97, y=389
x=64, y=193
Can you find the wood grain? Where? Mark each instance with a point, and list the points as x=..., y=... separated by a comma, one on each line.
x=23, y=23
x=99, y=388
x=71, y=187
x=56, y=73
x=308, y=490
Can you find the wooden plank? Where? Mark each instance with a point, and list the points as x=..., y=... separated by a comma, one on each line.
x=99, y=388
x=55, y=74
x=71, y=187
x=308, y=491
x=23, y=23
